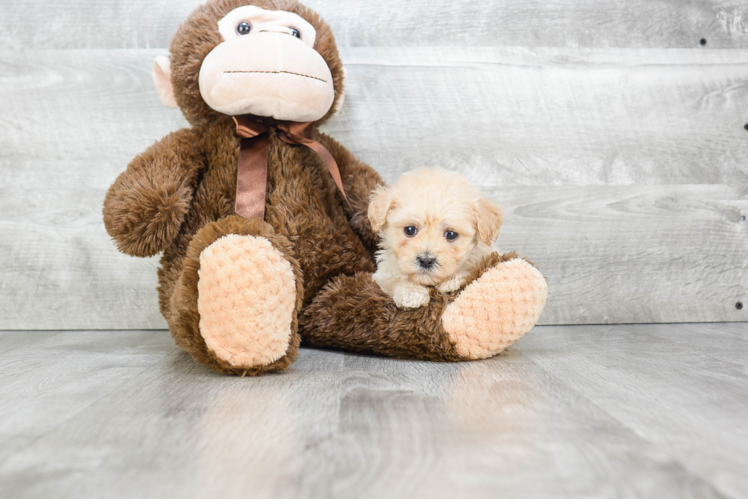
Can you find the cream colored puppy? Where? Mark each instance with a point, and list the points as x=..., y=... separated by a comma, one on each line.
x=434, y=229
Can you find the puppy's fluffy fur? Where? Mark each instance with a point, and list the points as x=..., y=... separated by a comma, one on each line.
x=417, y=220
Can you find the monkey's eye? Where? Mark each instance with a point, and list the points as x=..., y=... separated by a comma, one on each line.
x=295, y=32
x=410, y=230
x=450, y=235
x=243, y=28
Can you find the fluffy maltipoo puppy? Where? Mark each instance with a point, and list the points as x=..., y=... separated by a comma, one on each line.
x=434, y=228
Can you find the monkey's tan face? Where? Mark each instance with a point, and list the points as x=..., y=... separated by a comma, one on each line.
x=267, y=66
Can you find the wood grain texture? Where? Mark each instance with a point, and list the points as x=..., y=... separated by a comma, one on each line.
x=613, y=132
x=534, y=23
x=633, y=254
x=612, y=411
x=550, y=116
x=70, y=124
x=663, y=381
x=46, y=378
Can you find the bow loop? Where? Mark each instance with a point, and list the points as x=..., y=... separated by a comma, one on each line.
x=247, y=127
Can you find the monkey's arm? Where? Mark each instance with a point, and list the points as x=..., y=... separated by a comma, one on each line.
x=359, y=179
x=145, y=207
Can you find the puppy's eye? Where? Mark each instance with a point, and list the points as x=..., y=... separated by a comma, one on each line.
x=450, y=235
x=410, y=230
x=295, y=32
x=243, y=28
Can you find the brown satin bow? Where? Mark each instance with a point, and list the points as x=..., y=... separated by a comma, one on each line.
x=252, y=171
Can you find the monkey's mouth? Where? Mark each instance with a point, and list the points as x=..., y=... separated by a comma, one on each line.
x=278, y=72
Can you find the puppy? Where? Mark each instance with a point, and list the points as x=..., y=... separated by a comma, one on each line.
x=434, y=229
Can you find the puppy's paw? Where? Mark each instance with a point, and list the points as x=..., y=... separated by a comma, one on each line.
x=411, y=296
x=452, y=284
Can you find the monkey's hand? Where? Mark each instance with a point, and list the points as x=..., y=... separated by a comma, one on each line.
x=408, y=295
x=454, y=283
x=146, y=205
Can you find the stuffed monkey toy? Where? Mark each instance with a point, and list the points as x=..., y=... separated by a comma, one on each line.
x=262, y=220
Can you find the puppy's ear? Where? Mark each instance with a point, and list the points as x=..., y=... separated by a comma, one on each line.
x=489, y=219
x=379, y=206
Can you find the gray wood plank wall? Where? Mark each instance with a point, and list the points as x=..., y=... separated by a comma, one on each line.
x=611, y=135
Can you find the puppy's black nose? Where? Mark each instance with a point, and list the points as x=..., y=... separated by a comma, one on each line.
x=426, y=262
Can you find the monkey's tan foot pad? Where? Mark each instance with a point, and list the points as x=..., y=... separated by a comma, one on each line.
x=246, y=298
x=495, y=310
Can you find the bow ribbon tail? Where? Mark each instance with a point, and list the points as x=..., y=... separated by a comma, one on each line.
x=305, y=136
x=252, y=177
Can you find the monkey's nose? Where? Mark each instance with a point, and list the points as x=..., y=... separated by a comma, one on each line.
x=425, y=261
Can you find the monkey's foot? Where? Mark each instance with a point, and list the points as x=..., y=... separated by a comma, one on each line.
x=495, y=310
x=246, y=301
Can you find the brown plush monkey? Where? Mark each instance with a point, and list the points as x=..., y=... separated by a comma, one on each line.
x=241, y=292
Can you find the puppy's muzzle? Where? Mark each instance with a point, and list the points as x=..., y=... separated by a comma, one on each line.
x=426, y=262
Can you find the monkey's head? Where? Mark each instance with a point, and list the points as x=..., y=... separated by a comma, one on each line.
x=268, y=58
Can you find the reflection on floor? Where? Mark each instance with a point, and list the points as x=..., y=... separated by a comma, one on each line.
x=611, y=411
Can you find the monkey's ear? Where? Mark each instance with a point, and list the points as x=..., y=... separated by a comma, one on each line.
x=341, y=99
x=379, y=206
x=489, y=219
x=162, y=81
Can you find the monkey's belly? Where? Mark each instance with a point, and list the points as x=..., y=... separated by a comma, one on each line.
x=324, y=243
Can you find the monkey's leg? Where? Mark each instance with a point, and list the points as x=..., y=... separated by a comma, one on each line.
x=500, y=302
x=236, y=303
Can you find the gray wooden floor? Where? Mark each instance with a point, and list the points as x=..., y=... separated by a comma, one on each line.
x=629, y=411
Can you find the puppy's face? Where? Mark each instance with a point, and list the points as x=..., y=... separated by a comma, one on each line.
x=432, y=220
